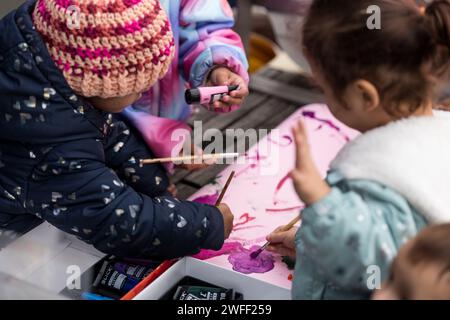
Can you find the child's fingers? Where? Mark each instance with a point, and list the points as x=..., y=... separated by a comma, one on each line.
x=282, y=250
x=298, y=146
x=172, y=189
x=222, y=78
x=296, y=177
x=278, y=237
x=277, y=230
x=220, y=106
x=301, y=143
x=242, y=92
x=300, y=134
x=302, y=129
x=232, y=101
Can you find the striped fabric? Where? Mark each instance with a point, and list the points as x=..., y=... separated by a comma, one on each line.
x=113, y=49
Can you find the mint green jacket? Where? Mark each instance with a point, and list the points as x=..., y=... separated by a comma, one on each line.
x=356, y=229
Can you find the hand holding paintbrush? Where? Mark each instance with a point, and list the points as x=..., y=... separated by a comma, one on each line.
x=282, y=241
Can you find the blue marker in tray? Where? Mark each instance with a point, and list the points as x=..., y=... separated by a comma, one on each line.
x=93, y=296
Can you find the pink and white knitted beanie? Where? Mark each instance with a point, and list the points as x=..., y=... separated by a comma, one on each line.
x=107, y=48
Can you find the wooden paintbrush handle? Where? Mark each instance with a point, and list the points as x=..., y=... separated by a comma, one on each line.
x=291, y=224
x=227, y=184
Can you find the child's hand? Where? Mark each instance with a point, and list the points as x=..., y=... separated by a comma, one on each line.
x=227, y=219
x=283, y=242
x=194, y=165
x=308, y=182
x=225, y=77
x=444, y=104
x=172, y=189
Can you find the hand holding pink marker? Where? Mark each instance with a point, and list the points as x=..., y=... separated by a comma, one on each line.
x=208, y=95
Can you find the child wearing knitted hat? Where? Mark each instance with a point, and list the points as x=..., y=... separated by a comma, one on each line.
x=63, y=157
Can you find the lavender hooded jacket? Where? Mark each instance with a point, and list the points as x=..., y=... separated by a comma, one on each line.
x=202, y=31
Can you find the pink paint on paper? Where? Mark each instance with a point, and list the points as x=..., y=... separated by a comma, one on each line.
x=243, y=219
x=210, y=199
x=255, y=190
x=275, y=210
x=286, y=141
x=227, y=248
x=255, y=163
x=329, y=123
x=279, y=186
x=249, y=227
x=243, y=263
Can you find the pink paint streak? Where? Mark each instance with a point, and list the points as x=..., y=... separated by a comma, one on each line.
x=210, y=199
x=227, y=248
x=247, y=228
x=275, y=210
x=244, y=219
x=312, y=115
x=257, y=160
x=279, y=186
x=286, y=141
x=243, y=263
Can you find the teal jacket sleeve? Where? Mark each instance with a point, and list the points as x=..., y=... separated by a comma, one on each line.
x=357, y=226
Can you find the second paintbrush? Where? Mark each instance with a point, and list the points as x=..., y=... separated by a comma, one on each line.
x=202, y=157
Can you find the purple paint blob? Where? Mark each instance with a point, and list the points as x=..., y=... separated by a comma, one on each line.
x=243, y=263
x=210, y=199
x=227, y=248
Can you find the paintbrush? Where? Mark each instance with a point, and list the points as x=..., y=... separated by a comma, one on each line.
x=190, y=158
x=227, y=184
x=287, y=227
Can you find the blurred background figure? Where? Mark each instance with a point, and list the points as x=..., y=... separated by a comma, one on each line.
x=421, y=270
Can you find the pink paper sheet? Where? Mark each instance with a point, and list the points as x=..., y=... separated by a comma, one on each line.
x=261, y=195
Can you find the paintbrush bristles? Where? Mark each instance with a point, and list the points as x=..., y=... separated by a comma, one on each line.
x=287, y=227
x=256, y=253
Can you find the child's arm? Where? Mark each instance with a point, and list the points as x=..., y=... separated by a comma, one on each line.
x=77, y=193
x=346, y=232
x=208, y=42
x=123, y=152
x=164, y=136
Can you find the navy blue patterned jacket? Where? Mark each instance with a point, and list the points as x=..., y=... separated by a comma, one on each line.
x=63, y=161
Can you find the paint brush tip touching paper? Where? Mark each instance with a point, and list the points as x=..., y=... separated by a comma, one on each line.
x=256, y=253
x=287, y=227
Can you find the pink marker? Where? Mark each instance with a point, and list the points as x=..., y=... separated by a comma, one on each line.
x=208, y=95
